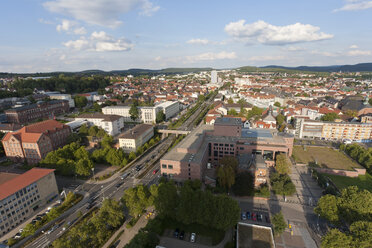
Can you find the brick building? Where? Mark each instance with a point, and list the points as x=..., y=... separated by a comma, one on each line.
x=36, y=111
x=33, y=142
x=207, y=144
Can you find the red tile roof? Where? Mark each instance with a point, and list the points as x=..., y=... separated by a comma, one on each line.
x=12, y=186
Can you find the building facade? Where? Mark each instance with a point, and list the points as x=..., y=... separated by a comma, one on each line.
x=208, y=144
x=21, y=195
x=147, y=113
x=132, y=139
x=67, y=97
x=32, y=112
x=353, y=131
x=33, y=142
x=112, y=124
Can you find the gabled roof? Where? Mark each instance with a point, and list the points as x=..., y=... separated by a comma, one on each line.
x=17, y=183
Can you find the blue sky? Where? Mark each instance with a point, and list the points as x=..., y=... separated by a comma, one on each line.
x=74, y=35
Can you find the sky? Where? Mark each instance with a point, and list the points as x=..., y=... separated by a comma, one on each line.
x=75, y=35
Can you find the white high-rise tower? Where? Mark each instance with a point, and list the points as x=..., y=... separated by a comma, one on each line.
x=214, y=77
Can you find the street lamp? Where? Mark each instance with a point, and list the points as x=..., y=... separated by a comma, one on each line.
x=103, y=193
x=93, y=172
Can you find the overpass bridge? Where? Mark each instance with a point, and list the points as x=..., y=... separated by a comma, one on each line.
x=166, y=132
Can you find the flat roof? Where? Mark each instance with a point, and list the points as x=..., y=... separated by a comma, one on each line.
x=228, y=121
x=257, y=133
x=135, y=132
x=15, y=184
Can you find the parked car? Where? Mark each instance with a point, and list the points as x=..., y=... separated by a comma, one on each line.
x=248, y=215
x=259, y=217
x=138, y=168
x=155, y=171
x=17, y=236
x=176, y=233
x=182, y=235
x=193, y=237
x=89, y=206
x=254, y=217
x=244, y=217
x=125, y=175
x=118, y=185
x=267, y=219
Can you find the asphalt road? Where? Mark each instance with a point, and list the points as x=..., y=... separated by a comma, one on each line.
x=115, y=187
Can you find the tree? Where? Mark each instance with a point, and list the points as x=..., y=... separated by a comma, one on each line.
x=144, y=240
x=277, y=104
x=278, y=223
x=160, y=117
x=115, y=157
x=133, y=111
x=80, y=101
x=330, y=117
x=327, y=208
x=282, y=184
x=230, y=101
x=93, y=130
x=282, y=164
x=84, y=129
x=101, y=133
x=84, y=166
x=336, y=239
x=244, y=184
x=280, y=119
x=167, y=199
x=132, y=156
x=226, y=176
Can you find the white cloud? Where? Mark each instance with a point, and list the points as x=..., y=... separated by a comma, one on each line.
x=100, y=12
x=293, y=49
x=266, y=58
x=69, y=26
x=359, y=53
x=353, y=47
x=198, y=41
x=355, y=5
x=99, y=42
x=211, y=56
x=43, y=21
x=268, y=34
x=326, y=54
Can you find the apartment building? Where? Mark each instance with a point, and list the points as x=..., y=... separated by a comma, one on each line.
x=207, y=144
x=354, y=131
x=112, y=124
x=21, y=195
x=169, y=108
x=33, y=142
x=58, y=96
x=32, y=112
x=132, y=139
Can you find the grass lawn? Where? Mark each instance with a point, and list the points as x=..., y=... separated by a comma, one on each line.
x=363, y=182
x=215, y=235
x=254, y=237
x=325, y=157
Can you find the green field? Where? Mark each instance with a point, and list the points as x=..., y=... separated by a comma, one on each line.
x=363, y=182
x=325, y=157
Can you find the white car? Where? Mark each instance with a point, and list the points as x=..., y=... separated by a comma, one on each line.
x=193, y=237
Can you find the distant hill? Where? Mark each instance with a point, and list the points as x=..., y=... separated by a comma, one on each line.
x=333, y=68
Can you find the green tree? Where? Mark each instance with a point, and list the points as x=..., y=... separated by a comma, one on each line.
x=280, y=119
x=279, y=223
x=226, y=176
x=230, y=101
x=83, y=167
x=282, y=165
x=133, y=111
x=167, y=199
x=327, y=208
x=330, y=117
x=93, y=130
x=160, y=117
x=101, y=133
x=244, y=184
x=84, y=129
x=277, y=104
x=115, y=157
x=336, y=239
x=80, y=101
x=144, y=240
x=132, y=156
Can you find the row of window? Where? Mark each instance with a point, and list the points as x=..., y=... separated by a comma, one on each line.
x=164, y=166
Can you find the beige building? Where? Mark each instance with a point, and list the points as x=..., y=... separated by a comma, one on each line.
x=21, y=195
x=132, y=139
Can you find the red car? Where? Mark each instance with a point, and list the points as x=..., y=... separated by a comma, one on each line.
x=254, y=217
x=155, y=171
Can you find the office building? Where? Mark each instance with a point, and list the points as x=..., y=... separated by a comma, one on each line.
x=214, y=77
x=57, y=96
x=21, y=195
x=132, y=139
x=40, y=110
x=112, y=124
x=33, y=142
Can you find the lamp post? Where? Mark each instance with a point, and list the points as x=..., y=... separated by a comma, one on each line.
x=103, y=193
x=93, y=172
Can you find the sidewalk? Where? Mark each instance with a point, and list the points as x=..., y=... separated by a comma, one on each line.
x=128, y=234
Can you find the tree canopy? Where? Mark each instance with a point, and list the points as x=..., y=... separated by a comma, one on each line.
x=330, y=117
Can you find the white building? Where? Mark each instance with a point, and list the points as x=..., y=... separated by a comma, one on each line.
x=169, y=108
x=112, y=124
x=132, y=139
x=57, y=96
x=214, y=77
x=147, y=113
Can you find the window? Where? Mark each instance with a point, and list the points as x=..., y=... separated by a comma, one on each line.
x=170, y=166
x=164, y=166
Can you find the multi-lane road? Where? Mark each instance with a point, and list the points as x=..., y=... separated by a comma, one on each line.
x=115, y=186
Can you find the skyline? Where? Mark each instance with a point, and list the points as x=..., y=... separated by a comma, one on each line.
x=67, y=35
